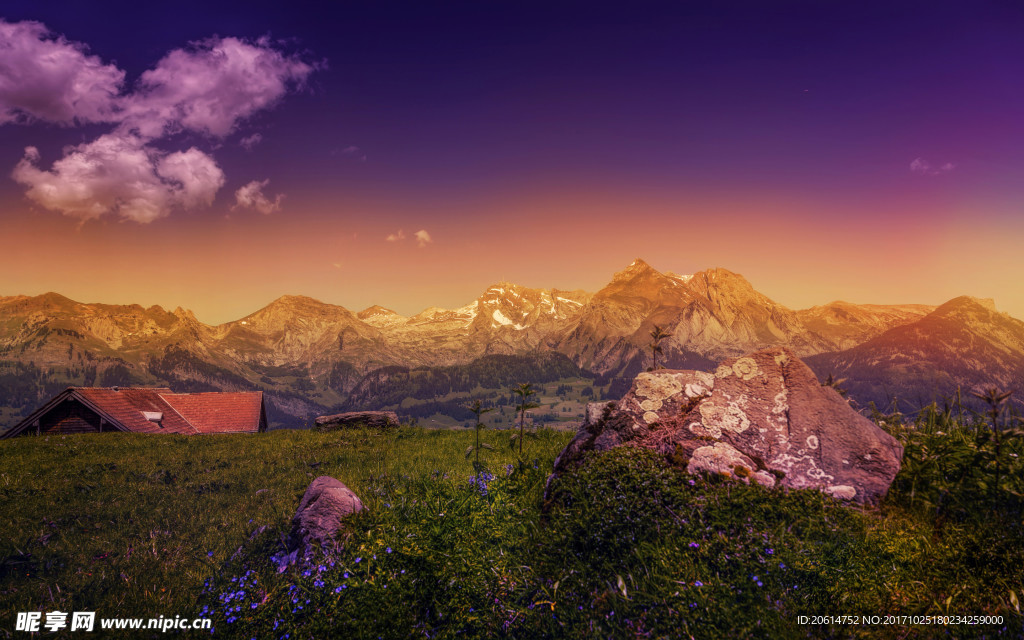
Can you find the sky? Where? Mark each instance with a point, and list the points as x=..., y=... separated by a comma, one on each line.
x=216, y=156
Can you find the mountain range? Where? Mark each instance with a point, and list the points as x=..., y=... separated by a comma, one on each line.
x=311, y=357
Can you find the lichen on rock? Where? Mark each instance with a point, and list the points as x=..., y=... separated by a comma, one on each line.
x=765, y=412
x=745, y=368
x=723, y=459
x=719, y=417
x=657, y=386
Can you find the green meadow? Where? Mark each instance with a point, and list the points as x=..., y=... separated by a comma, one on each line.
x=142, y=526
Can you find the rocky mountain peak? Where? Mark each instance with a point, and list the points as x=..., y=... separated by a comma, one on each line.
x=430, y=313
x=511, y=305
x=441, y=317
x=710, y=315
x=721, y=279
x=680, y=279
x=635, y=269
x=298, y=315
x=376, y=311
x=501, y=290
x=381, y=317
x=967, y=305
x=297, y=301
x=49, y=301
x=988, y=303
x=184, y=314
x=301, y=306
x=642, y=281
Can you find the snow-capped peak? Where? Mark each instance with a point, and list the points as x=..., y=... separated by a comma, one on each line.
x=502, y=319
x=682, y=279
x=470, y=309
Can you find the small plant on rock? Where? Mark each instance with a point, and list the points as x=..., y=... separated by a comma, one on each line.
x=833, y=382
x=657, y=335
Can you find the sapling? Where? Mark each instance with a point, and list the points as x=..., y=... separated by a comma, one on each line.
x=995, y=399
x=524, y=391
x=478, y=411
x=657, y=335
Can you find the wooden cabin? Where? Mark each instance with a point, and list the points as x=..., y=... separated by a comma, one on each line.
x=146, y=410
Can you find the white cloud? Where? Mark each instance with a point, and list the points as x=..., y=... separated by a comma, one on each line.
x=119, y=174
x=43, y=77
x=251, y=196
x=423, y=238
x=922, y=167
x=209, y=88
x=197, y=175
x=248, y=142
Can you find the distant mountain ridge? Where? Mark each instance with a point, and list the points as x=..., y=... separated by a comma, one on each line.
x=963, y=344
x=309, y=355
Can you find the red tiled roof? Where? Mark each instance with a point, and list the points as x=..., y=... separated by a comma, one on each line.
x=184, y=413
x=219, y=412
x=126, y=407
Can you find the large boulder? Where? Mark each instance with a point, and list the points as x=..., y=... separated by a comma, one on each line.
x=373, y=419
x=326, y=503
x=760, y=418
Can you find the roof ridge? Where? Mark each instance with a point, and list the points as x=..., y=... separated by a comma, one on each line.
x=98, y=409
x=120, y=387
x=213, y=393
x=161, y=396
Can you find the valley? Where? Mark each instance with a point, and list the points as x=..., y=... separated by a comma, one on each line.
x=312, y=358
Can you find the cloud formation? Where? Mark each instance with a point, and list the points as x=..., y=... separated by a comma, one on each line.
x=251, y=196
x=120, y=175
x=922, y=167
x=50, y=79
x=423, y=238
x=248, y=142
x=209, y=88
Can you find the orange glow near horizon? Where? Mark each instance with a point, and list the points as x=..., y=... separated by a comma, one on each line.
x=545, y=147
x=799, y=253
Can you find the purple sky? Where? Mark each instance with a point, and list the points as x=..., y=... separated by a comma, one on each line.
x=904, y=121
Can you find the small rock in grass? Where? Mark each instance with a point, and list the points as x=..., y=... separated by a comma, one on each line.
x=326, y=503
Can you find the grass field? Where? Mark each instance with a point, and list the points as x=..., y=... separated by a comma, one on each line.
x=562, y=403
x=134, y=525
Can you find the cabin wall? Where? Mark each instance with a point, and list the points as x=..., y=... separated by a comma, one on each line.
x=69, y=417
